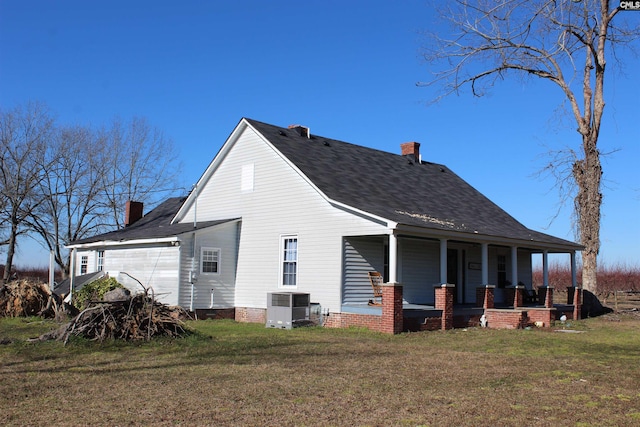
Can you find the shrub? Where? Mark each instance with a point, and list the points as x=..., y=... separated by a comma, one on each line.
x=94, y=291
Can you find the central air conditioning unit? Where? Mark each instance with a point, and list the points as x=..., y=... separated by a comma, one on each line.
x=286, y=310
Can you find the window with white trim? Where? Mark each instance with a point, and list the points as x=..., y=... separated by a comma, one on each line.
x=209, y=261
x=100, y=260
x=289, y=257
x=84, y=264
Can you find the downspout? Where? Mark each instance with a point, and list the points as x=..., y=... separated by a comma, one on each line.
x=191, y=300
x=192, y=275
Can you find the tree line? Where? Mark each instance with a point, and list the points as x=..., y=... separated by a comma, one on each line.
x=60, y=183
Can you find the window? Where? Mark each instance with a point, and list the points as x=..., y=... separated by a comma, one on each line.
x=100, y=260
x=84, y=263
x=209, y=260
x=289, y=260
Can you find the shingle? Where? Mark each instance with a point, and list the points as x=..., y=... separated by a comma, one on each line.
x=155, y=224
x=389, y=185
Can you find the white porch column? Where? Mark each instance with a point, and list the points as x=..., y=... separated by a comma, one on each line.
x=393, y=258
x=485, y=263
x=514, y=265
x=52, y=266
x=72, y=271
x=574, y=278
x=443, y=261
x=545, y=268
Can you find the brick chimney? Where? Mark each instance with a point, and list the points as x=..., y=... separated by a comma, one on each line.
x=301, y=130
x=132, y=212
x=412, y=150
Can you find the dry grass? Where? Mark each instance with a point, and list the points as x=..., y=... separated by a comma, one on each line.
x=243, y=374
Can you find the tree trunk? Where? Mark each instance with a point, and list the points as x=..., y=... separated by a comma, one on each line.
x=588, y=173
x=11, y=248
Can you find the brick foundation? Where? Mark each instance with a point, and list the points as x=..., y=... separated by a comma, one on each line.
x=506, y=319
x=345, y=320
x=431, y=324
x=251, y=315
x=544, y=316
x=214, y=313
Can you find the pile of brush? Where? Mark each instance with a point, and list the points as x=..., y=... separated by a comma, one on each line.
x=132, y=318
x=21, y=298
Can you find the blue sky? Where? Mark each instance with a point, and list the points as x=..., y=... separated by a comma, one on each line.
x=346, y=69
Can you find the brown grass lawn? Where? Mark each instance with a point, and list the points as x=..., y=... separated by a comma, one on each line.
x=243, y=374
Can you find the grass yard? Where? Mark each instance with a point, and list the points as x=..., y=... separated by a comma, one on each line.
x=243, y=374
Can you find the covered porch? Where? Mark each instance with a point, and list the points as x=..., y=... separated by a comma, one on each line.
x=451, y=279
x=395, y=315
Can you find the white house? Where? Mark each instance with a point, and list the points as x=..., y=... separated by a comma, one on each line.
x=281, y=209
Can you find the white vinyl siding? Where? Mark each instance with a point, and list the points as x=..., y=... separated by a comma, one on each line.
x=419, y=269
x=222, y=285
x=361, y=255
x=247, y=178
x=282, y=201
x=155, y=266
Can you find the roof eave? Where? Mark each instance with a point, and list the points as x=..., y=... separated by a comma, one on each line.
x=105, y=243
x=490, y=239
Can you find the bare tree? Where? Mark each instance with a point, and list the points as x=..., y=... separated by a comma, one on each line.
x=141, y=164
x=24, y=133
x=73, y=204
x=91, y=174
x=559, y=41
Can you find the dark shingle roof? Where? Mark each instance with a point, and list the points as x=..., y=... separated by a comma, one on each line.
x=155, y=224
x=393, y=187
x=63, y=287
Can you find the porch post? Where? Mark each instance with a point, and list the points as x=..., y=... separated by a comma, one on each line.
x=393, y=258
x=392, y=312
x=443, y=261
x=72, y=271
x=545, y=268
x=514, y=265
x=485, y=263
x=444, y=301
x=574, y=279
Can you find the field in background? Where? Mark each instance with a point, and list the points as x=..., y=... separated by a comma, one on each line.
x=618, y=284
x=246, y=374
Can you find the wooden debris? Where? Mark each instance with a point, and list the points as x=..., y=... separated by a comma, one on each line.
x=137, y=318
x=21, y=298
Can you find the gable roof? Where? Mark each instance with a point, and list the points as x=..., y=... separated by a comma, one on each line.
x=395, y=187
x=154, y=225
